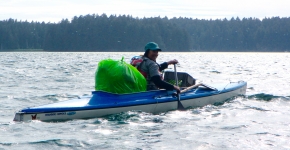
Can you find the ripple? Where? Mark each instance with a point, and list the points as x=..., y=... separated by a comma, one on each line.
x=234, y=127
x=257, y=108
x=265, y=133
x=214, y=71
x=124, y=117
x=58, y=97
x=263, y=97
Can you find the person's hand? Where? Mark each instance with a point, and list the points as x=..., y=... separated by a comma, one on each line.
x=174, y=61
x=177, y=89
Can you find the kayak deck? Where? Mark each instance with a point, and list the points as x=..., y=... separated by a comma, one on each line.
x=101, y=100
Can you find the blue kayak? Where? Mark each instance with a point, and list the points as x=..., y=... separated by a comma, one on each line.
x=102, y=103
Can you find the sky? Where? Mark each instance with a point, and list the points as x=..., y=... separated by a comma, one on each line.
x=56, y=10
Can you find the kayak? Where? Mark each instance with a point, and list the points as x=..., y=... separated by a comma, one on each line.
x=102, y=103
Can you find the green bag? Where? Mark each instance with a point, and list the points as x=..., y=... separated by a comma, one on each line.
x=116, y=76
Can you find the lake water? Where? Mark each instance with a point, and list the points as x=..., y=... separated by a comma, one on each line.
x=259, y=120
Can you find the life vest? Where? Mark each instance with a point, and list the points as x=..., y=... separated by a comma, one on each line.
x=136, y=61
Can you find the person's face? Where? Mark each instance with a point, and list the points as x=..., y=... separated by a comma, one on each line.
x=152, y=55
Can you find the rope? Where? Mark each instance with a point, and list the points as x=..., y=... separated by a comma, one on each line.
x=225, y=87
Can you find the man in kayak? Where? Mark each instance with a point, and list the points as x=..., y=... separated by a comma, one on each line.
x=152, y=70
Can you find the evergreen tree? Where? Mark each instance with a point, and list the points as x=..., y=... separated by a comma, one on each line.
x=126, y=33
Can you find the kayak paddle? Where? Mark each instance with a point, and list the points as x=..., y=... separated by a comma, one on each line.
x=179, y=104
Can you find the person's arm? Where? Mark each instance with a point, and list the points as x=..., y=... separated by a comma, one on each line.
x=163, y=85
x=165, y=64
x=156, y=79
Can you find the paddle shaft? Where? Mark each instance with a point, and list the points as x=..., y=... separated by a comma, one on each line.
x=191, y=87
x=179, y=104
x=176, y=82
x=175, y=73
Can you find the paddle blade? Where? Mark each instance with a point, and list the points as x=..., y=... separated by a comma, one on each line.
x=179, y=104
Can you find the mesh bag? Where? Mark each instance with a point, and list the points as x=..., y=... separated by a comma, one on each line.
x=116, y=76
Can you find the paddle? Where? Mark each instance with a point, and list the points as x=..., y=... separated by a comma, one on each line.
x=191, y=87
x=179, y=104
x=196, y=85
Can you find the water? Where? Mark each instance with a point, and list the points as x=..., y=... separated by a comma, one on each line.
x=257, y=121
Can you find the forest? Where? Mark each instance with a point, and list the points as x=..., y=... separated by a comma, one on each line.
x=104, y=33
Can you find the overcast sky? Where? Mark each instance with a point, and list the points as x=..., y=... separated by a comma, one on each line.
x=55, y=10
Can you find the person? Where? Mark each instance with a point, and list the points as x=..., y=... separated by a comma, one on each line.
x=151, y=70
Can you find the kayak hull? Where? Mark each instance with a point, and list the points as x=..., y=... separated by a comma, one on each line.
x=102, y=103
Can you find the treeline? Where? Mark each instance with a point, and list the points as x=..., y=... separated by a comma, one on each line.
x=126, y=33
x=247, y=34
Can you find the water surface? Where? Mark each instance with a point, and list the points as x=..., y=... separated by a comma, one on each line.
x=258, y=120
